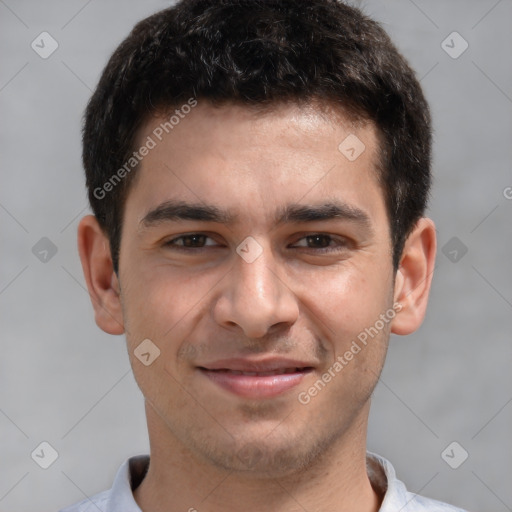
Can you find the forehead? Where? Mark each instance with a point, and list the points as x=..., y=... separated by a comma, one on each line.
x=244, y=158
x=306, y=126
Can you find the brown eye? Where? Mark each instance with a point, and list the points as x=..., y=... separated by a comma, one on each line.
x=320, y=242
x=190, y=241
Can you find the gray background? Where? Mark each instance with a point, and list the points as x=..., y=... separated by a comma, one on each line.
x=64, y=381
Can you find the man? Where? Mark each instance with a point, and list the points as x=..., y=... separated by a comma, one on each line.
x=258, y=172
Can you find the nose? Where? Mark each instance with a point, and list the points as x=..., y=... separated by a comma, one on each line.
x=255, y=297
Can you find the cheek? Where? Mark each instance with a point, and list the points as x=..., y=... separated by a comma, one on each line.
x=156, y=309
x=347, y=307
x=166, y=306
x=347, y=300
x=162, y=299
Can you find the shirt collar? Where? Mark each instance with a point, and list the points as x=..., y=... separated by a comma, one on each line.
x=128, y=478
x=380, y=472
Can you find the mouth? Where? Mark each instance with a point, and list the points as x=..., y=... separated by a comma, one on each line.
x=255, y=380
x=279, y=371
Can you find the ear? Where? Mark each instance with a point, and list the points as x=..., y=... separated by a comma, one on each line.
x=102, y=282
x=414, y=277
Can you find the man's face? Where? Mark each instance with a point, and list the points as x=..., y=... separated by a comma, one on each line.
x=315, y=274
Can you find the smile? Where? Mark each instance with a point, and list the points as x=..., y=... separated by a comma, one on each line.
x=256, y=384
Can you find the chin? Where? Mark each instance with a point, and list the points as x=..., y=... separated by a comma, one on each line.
x=266, y=458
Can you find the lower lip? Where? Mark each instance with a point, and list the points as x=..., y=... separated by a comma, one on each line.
x=253, y=386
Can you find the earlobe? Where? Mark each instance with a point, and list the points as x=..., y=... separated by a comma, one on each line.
x=414, y=277
x=102, y=282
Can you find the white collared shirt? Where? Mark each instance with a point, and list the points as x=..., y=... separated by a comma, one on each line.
x=380, y=472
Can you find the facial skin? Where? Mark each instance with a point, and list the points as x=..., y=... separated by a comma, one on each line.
x=213, y=449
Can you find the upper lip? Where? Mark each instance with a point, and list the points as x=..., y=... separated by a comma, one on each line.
x=251, y=365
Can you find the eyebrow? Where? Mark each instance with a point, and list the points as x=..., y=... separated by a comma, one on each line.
x=173, y=211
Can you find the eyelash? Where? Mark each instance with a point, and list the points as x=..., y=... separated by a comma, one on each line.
x=342, y=243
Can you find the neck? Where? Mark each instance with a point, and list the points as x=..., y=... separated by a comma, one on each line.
x=178, y=480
